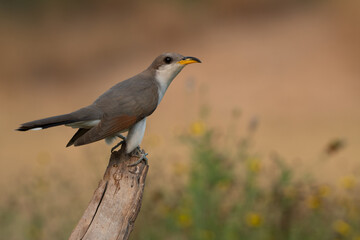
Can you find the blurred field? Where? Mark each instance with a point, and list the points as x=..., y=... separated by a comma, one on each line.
x=293, y=66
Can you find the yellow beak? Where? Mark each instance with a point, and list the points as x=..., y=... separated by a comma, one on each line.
x=188, y=60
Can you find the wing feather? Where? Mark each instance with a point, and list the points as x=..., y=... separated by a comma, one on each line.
x=106, y=128
x=77, y=135
x=122, y=106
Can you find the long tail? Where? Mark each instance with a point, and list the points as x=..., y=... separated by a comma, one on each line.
x=47, y=122
x=83, y=114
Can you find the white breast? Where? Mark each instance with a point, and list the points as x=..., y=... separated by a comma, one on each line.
x=135, y=135
x=164, y=77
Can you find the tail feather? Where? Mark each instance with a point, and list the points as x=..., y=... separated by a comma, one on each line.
x=84, y=114
x=47, y=122
x=78, y=134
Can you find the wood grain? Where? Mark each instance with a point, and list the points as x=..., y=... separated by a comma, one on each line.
x=116, y=202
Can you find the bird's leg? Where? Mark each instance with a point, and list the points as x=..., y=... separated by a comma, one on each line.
x=120, y=143
x=142, y=156
x=117, y=145
x=122, y=137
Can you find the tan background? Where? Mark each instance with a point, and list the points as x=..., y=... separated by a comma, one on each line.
x=295, y=68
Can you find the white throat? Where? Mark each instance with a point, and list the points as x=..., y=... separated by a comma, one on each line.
x=165, y=75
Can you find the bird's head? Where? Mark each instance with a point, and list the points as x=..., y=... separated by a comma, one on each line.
x=168, y=65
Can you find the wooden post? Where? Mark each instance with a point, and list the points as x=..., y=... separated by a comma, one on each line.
x=113, y=209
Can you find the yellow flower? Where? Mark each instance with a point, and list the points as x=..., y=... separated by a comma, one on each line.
x=254, y=165
x=348, y=182
x=184, y=220
x=253, y=219
x=197, y=128
x=324, y=191
x=341, y=227
x=313, y=202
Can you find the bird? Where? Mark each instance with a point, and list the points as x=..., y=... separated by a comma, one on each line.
x=123, y=108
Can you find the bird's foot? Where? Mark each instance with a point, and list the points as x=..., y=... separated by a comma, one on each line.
x=141, y=155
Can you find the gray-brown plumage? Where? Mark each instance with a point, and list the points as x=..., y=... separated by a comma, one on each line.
x=123, y=107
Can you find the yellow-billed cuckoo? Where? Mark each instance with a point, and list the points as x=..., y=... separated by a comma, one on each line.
x=124, y=107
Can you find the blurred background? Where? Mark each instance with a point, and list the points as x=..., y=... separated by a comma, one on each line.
x=274, y=105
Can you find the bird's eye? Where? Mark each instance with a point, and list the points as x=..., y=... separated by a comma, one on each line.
x=168, y=60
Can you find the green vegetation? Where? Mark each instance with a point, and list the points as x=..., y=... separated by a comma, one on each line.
x=235, y=195
x=229, y=192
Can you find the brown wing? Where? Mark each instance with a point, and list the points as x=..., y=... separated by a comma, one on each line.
x=122, y=106
x=137, y=96
x=107, y=127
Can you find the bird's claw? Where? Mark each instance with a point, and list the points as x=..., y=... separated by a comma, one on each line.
x=142, y=157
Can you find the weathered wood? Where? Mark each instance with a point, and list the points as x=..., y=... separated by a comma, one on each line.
x=112, y=211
